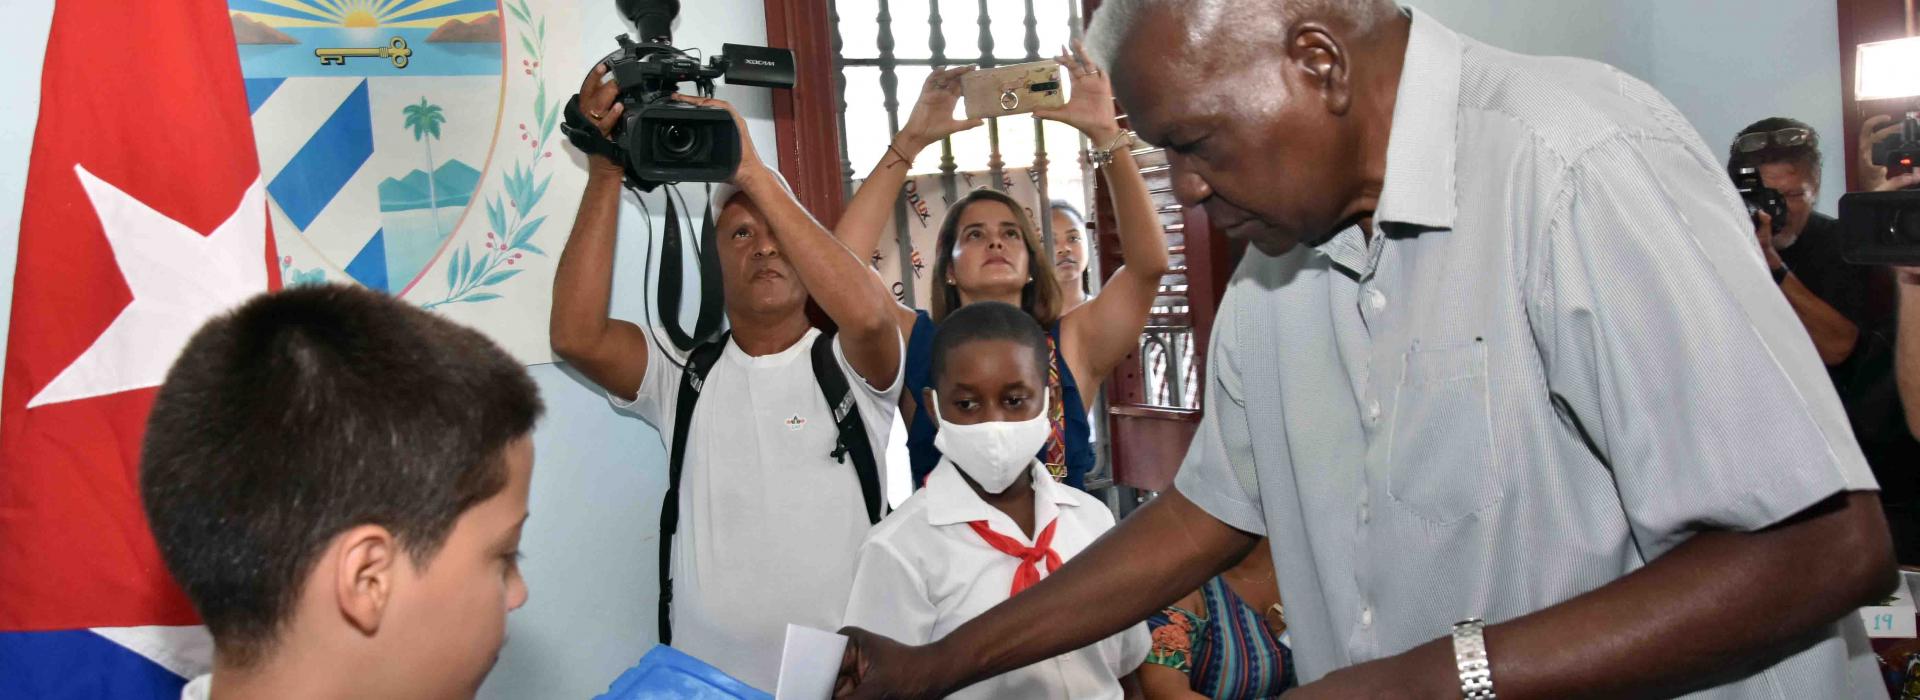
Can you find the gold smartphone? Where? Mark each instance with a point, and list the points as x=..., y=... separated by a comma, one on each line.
x=1016, y=89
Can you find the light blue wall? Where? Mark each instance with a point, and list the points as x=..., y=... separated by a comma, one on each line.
x=1724, y=63
x=1730, y=63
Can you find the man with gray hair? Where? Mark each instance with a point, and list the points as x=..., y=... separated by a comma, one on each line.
x=1507, y=387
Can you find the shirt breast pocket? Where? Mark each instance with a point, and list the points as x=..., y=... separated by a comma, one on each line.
x=1441, y=464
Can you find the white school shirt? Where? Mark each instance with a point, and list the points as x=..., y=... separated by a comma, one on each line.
x=923, y=572
x=770, y=522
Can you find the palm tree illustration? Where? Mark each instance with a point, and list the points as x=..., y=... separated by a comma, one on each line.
x=425, y=120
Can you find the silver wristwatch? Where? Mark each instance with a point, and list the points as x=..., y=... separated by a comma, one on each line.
x=1470, y=655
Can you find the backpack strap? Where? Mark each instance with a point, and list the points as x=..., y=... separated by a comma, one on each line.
x=850, y=432
x=692, y=380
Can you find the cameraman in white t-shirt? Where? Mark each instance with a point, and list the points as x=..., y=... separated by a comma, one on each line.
x=769, y=521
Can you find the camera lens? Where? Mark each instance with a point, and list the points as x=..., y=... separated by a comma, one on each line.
x=678, y=141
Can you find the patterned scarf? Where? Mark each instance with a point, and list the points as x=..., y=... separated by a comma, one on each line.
x=1056, y=459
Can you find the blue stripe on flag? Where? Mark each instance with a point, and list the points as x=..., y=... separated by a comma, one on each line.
x=326, y=161
x=259, y=89
x=79, y=665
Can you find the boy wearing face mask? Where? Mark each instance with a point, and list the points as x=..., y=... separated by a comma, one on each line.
x=990, y=522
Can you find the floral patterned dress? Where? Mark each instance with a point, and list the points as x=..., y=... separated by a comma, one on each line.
x=1225, y=648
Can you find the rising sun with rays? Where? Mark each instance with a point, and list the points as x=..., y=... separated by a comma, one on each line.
x=362, y=14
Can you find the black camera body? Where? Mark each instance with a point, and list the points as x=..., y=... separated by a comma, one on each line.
x=1899, y=152
x=1758, y=196
x=662, y=140
x=1881, y=228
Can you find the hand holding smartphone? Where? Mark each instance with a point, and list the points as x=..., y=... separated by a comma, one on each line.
x=1016, y=89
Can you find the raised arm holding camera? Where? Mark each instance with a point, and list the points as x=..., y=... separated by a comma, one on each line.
x=764, y=512
x=1884, y=144
x=1776, y=164
x=988, y=249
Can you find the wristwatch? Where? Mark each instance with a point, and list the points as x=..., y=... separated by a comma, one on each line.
x=1470, y=656
x=1780, y=274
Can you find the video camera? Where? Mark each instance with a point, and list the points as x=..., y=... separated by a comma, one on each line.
x=1758, y=196
x=1883, y=228
x=660, y=140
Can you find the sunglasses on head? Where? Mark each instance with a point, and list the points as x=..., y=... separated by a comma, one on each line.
x=1783, y=138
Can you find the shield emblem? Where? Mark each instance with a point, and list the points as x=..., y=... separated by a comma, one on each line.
x=404, y=144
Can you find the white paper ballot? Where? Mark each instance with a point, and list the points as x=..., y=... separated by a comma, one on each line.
x=809, y=664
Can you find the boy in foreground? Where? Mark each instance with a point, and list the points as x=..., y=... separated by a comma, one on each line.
x=338, y=480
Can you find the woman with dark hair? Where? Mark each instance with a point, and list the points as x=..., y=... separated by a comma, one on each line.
x=1069, y=253
x=989, y=250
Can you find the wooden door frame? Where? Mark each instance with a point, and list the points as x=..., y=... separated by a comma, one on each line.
x=806, y=119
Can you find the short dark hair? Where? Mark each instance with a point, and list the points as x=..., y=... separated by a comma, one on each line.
x=1806, y=157
x=307, y=412
x=989, y=320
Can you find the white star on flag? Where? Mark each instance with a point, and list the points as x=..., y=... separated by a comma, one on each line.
x=179, y=280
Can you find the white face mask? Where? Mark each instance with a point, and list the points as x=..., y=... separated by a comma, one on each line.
x=994, y=454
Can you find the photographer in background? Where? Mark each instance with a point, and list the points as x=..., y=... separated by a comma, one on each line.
x=1832, y=298
x=1848, y=310
x=770, y=520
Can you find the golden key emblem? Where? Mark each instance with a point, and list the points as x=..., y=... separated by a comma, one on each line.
x=395, y=51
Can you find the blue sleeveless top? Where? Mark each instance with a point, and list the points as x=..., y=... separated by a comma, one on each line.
x=1068, y=411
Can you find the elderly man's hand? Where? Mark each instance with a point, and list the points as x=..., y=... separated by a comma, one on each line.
x=877, y=667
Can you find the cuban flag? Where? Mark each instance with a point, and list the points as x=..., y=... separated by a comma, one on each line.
x=143, y=214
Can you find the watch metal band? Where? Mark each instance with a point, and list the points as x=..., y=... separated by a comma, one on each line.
x=1470, y=655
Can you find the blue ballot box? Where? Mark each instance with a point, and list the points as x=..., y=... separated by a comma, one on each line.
x=667, y=674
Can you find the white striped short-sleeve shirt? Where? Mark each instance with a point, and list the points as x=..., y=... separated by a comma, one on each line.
x=1559, y=358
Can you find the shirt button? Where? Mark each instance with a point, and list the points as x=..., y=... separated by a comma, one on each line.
x=1373, y=410
x=1377, y=299
x=1365, y=514
x=1366, y=617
